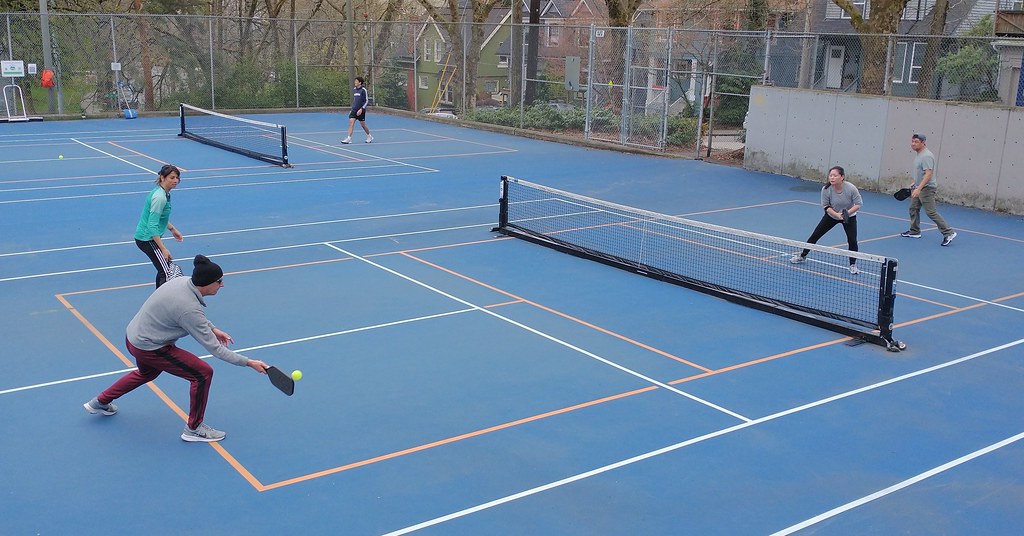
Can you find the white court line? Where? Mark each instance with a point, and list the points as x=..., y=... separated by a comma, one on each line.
x=368, y=155
x=449, y=138
x=147, y=170
x=252, y=251
x=240, y=350
x=964, y=296
x=191, y=178
x=688, y=442
x=267, y=228
x=896, y=487
x=85, y=135
x=541, y=334
x=47, y=160
x=241, y=185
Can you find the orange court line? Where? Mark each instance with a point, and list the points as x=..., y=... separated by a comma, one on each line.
x=453, y=439
x=743, y=207
x=71, y=178
x=559, y=313
x=930, y=228
x=249, y=477
x=321, y=149
x=161, y=162
x=159, y=392
x=568, y=409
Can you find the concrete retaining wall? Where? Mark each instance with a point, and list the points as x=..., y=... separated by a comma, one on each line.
x=979, y=149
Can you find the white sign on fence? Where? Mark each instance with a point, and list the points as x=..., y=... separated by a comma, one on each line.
x=12, y=69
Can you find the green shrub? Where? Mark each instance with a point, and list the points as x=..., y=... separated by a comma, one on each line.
x=682, y=130
x=544, y=118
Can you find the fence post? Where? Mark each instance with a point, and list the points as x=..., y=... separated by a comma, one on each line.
x=114, y=58
x=766, y=74
x=213, y=92
x=295, y=57
x=372, y=68
x=590, y=81
x=668, y=92
x=47, y=58
x=524, y=57
x=700, y=108
x=627, y=56
x=887, y=83
x=350, y=38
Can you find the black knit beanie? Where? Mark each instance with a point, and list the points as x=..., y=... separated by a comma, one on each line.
x=205, y=271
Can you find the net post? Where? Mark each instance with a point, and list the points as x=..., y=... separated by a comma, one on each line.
x=181, y=118
x=284, y=147
x=887, y=305
x=503, y=204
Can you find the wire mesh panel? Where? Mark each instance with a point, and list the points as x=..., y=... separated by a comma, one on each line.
x=738, y=62
x=607, y=84
x=321, y=53
x=625, y=75
x=741, y=266
x=649, y=58
x=392, y=64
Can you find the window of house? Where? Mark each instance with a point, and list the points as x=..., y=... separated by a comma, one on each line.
x=581, y=36
x=491, y=86
x=502, y=61
x=682, y=66
x=438, y=51
x=1018, y=6
x=446, y=95
x=422, y=82
x=553, y=34
x=860, y=5
x=916, y=58
x=899, y=63
x=917, y=9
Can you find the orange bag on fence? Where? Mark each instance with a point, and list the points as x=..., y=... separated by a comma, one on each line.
x=46, y=79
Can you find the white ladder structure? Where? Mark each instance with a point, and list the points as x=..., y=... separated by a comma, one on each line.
x=14, y=104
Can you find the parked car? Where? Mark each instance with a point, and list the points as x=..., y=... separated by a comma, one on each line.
x=439, y=112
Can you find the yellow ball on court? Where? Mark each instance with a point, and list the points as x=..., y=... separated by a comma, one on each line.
x=296, y=374
x=60, y=157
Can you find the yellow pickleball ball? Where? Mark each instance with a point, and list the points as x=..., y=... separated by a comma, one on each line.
x=296, y=374
x=60, y=157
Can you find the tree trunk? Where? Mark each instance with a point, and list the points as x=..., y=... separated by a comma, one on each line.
x=873, y=53
x=147, y=60
x=533, y=41
x=933, y=51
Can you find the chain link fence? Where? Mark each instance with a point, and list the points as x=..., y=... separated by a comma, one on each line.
x=658, y=88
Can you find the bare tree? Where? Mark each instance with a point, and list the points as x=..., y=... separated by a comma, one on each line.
x=931, y=55
x=449, y=17
x=885, y=19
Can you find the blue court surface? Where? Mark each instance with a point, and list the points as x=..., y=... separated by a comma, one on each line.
x=457, y=381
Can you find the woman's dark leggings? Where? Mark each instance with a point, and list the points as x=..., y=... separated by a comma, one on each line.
x=826, y=224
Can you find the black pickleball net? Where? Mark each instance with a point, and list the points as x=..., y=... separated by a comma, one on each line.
x=255, y=139
x=741, y=266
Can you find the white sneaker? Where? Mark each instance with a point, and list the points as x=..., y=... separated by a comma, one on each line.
x=348, y=139
x=948, y=238
x=369, y=138
x=854, y=270
x=797, y=259
x=93, y=406
x=203, y=433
